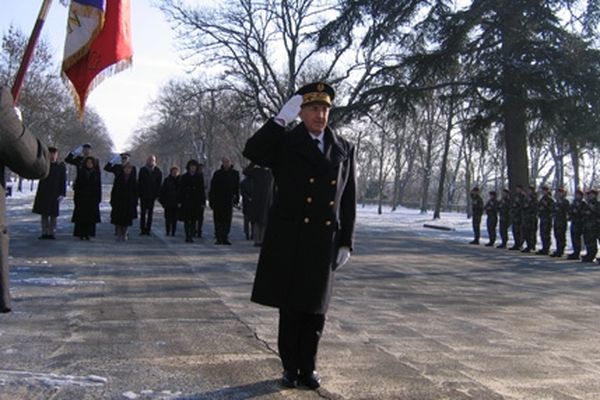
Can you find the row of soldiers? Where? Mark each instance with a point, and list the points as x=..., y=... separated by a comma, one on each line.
x=525, y=213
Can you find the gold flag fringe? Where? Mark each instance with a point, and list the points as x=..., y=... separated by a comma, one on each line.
x=107, y=72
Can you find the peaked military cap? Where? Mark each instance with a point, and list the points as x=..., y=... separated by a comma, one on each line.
x=87, y=145
x=317, y=92
x=492, y=193
x=561, y=189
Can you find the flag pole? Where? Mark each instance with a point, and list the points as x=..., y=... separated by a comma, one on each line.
x=35, y=34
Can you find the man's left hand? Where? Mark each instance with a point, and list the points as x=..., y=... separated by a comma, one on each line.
x=342, y=257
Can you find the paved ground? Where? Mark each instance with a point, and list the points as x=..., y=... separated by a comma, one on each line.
x=412, y=318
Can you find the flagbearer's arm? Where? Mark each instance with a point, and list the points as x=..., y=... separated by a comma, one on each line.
x=20, y=151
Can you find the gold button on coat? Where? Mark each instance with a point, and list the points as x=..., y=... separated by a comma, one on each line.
x=332, y=203
x=309, y=199
x=306, y=220
x=327, y=222
x=311, y=180
x=333, y=182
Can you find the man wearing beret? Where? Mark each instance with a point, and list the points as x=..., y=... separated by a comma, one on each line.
x=25, y=155
x=310, y=229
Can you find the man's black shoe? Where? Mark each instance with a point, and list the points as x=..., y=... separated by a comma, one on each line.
x=218, y=242
x=43, y=237
x=289, y=379
x=501, y=246
x=489, y=244
x=542, y=252
x=227, y=242
x=515, y=248
x=587, y=259
x=573, y=256
x=4, y=310
x=311, y=380
x=474, y=242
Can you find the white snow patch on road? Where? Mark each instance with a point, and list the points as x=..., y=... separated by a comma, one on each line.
x=56, y=282
x=49, y=379
x=152, y=395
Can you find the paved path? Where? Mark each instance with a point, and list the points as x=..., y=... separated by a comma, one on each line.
x=412, y=318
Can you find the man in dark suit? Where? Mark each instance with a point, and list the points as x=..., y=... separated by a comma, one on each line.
x=25, y=155
x=149, y=183
x=311, y=224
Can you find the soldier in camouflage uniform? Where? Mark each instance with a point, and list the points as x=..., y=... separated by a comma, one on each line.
x=516, y=217
x=477, y=211
x=590, y=214
x=576, y=218
x=545, y=209
x=529, y=222
x=504, y=217
x=560, y=214
x=491, y=211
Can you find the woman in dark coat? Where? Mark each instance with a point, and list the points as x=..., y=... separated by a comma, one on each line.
x=192, y=198
x=123, y=196
x=51, y=190
x=87, y=195
x=223, y=195
x=168, y=199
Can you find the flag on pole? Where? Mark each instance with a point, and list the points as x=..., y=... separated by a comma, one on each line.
x=97, y=46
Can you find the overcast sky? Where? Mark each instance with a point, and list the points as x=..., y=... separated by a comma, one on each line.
x=121, y=99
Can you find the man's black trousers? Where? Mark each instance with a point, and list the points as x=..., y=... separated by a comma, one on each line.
x=298, y=339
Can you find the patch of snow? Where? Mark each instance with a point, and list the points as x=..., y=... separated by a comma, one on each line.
x=50, y=379
x=56, y=282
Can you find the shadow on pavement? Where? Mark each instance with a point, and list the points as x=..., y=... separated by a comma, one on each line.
x=242, y=392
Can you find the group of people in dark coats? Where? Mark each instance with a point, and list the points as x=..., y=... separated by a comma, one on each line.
x=549, y=215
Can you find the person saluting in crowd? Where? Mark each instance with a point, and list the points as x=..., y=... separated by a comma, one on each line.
x=50, y=192
x=310, y=229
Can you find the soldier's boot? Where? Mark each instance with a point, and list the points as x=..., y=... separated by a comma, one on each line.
x=474, y=241
x=542, y=252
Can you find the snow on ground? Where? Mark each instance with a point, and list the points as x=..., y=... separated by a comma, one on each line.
x=50, y=380
x=411, y=220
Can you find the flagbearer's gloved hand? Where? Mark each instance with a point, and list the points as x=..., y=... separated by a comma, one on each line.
x=18, y=112
x=342, y=257
x=290, y=110
x=78, y=151
x=116, y=159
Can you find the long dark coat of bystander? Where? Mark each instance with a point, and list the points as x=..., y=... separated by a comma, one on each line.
x=313, y=214
x=49, y=189
x=123, y=196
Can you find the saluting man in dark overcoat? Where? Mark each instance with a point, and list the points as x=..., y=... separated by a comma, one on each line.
x=311, y=224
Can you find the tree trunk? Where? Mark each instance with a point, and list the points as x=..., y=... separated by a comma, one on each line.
x=443, y=167
x=514, y=112
x=427, y=175
x=574, y=152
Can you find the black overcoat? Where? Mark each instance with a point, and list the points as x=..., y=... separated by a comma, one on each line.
x=49, y=188
x=224, y=192
x=169, y=192
x=313, y=214
x=123, y=196
x=149, y=183
x=261, y=193
x=87, y=194
x=192, y=196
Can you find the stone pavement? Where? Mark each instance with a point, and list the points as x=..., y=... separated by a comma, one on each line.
x=412, y=318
